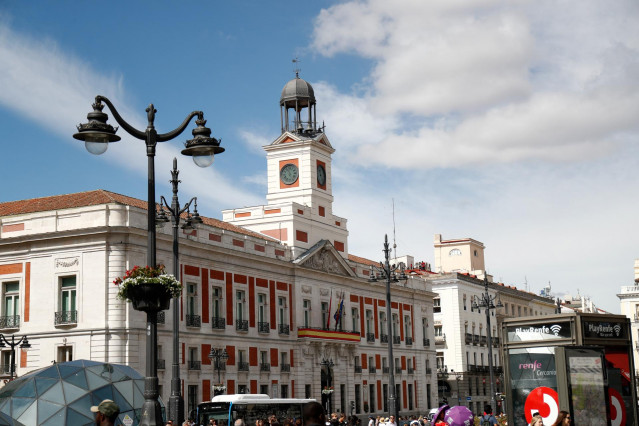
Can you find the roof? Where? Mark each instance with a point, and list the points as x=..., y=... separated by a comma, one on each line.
x=362, y=260
x=99, y=197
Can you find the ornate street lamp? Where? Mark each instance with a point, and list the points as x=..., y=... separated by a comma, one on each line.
x=457, y=376
x=23, y=342
x=329, y=364
x=489, y=303
x=388, y=272
x=97, y=134
x=218, y=355
x=442, y=376
x=176, y=402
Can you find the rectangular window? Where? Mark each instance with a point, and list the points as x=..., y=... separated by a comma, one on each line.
x=358, y=407
x=281, y=310
x=307, y=312
x=264, y=389
x=191, y=301
x=6, y=362
x=395, y=325
x=369, y=321
x=261, y=308
x=11, y=305
x=371, y=396
x=437, y=305
x=239, y=300
x=325, y=315
x=407, y=327
x=65, y=354
x=385, y=396
x=307, y=391
x=217, y=302
x=192, y=398
x=383, y=325
x=284, y=391
x=354, y=319
x=438, y=330
x=410, y=396
x=67, y=314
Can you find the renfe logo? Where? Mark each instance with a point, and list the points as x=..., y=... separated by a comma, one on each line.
x=544, y=400
x=530, y=366
x=617, y=408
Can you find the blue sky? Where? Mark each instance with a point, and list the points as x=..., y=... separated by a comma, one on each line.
x=513, y=123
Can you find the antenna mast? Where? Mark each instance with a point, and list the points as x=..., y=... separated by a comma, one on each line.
x=394, y=241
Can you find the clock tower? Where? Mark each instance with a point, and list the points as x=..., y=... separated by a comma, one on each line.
x=300, y=201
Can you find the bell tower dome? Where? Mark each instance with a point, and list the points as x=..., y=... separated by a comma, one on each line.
x=300, y=201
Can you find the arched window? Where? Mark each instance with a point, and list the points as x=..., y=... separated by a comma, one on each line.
x=455, y=252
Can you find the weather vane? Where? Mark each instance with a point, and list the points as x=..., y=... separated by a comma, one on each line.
x=296, y=69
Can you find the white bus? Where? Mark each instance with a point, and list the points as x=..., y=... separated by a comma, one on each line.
x=225, y=409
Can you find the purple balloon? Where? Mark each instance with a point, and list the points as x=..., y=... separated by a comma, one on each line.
x=459, y=415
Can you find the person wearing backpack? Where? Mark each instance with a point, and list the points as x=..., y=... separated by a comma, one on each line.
x=488, y=419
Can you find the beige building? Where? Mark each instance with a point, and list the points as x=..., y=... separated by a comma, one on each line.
x=629, y=303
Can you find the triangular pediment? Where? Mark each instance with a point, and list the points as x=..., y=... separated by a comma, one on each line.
x=290, y=137
x=324, y=257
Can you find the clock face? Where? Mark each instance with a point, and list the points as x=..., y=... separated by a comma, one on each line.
x=289, y=174
x=321, y=175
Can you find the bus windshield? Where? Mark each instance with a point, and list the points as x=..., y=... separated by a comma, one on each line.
x=250, y=410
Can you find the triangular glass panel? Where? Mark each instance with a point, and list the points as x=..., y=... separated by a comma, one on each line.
x=43, y=384
x=47, y=409
x=79, y=379
x=54, y=394
x=76, y=418
x=67, y=370
x=75, y=363
x=72, y=392
x=5, y=406
x=129, y=371
x=118, y=375
x=89, y=363
x=19, y=405
x=51, y=372
x=138, y=397
x=27, y=390
x=30, y=415
x=5, y=420
x=95, y=381
x=126, y=389
x=119, y=399
x=102, y=393
x=57, y=419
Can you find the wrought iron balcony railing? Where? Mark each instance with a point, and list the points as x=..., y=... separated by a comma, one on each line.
x=469, y=338
x=383, y=338
x=429, y=371
x=241, y=325
x=358, y=369
x=242, y=366
x=265, y=366
x=409, y=340
x=370, y=337
x=398, y=369
x=161, y=364
x=66, y=317
x=193, y=321
x=12, y=321
x=410, y=370
x=426, y=343
x=475, y=339
x=285, y=368
x=195, y=365
x=482, y=340
x=385, y=370
x=495, y=341
x=218, y=323
x=263, y=327
x=283, y=329
x=372, y=369
x=161, y=318
x=396, y=340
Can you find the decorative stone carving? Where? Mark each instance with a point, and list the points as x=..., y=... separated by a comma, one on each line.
x=67, y=262
x=325, y=261
x=324, y=291
x=307, y=289
x=424, y=309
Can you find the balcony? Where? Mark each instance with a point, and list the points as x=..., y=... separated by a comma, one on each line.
x=409, y=341
x=398, y=369
x=65, y=318
x=429, y=371
x=265, y=366
x=440, y=340
x=472, y=368
x=161, y=364
x=358, y=369
x=498, y=369
x=437, y=309
x=195, y=365
x=383, y=338
x=482, y=340
x=263, y=327
x=161, y=317
x=285, y=368
x=10, y=322
x=328, y=334
x=370, y=337
x=241, y=325
x=495, y=341
x=426, y=343
x=469, y=338
x=284, y=329
x=193, y=321
x=475, y=339
x=218, y=323
x=385, y=370
x=410, y=370
x=396, y=340
x=372, y=370
x=242, y=366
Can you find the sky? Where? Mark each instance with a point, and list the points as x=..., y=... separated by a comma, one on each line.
x=514, y=123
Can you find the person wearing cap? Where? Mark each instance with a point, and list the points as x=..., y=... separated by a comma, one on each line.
x=106, y=413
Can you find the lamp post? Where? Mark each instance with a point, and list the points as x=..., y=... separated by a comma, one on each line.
x=97, y=134
x=219, y=355
x=329, y=364
x=23, y=343
x=176, y=402
x=387, y=272
x=487, y=302
x=457, y=374
x=442, y=376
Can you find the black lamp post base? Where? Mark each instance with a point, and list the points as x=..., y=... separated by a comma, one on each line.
x=151, y=409
x=176, y=408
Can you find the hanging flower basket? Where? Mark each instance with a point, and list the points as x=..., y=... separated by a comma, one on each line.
x=219, y=388
x=148, y=289
x=327, y=390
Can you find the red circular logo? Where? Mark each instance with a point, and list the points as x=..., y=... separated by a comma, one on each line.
x=545, y=401
x=617, y=408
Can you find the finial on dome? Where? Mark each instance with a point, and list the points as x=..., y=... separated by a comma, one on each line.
x=296, y=69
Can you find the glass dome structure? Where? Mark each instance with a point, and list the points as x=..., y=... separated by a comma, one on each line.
x=63, y=394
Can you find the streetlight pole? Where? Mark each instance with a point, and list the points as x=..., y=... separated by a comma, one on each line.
x=219, y=355
x=487, y=302
x=176, y=402
x=329, y=364
x=388, y=272
x=97, y=134
x=23, y=342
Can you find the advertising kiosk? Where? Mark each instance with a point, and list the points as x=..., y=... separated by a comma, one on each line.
x=579, y=363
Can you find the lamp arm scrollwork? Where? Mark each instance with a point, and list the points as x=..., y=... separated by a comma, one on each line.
x=121, y=121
